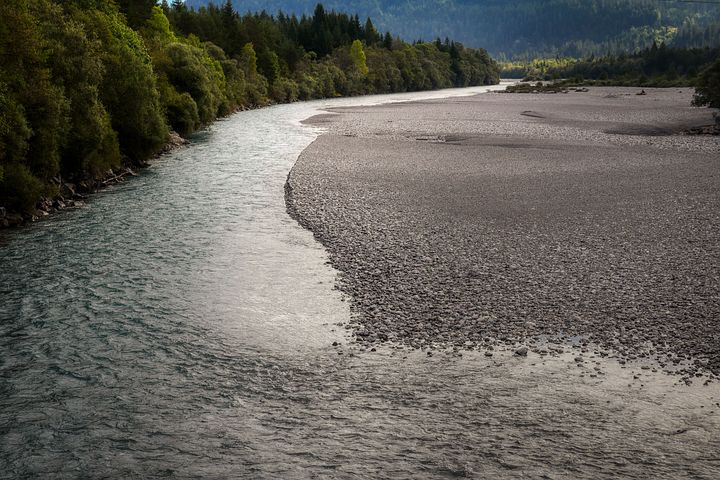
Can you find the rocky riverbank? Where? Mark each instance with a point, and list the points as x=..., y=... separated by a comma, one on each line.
x=73, y=194
x=534, y=223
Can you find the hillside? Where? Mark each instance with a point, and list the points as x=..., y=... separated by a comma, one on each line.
x=525, y=27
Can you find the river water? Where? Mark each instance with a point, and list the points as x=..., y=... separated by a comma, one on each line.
x=180, y=325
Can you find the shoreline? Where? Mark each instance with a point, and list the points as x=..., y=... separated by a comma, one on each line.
x=71, y=195
x=70, y=198
x=407, y=290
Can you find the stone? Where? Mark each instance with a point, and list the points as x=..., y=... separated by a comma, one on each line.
x=522, y=351
x=13, y=219
x=68, y=189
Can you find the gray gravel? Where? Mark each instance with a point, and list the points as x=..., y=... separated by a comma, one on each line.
x=501, y=219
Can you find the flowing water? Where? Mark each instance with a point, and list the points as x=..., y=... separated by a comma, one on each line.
x=181, y=324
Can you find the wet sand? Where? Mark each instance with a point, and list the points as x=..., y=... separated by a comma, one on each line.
x=578, y=221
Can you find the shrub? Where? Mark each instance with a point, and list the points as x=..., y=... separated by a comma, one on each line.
x=181, y=111
x=285, y=90
x=19, y=188
x=707, y=88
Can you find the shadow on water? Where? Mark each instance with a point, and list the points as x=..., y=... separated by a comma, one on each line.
x=181, y=325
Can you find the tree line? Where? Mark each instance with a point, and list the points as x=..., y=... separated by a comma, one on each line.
x=656, y=66
x=87, y=86
x=525, y=29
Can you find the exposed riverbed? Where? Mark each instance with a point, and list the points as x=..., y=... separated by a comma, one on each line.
x=181, y=325
x=516, y=217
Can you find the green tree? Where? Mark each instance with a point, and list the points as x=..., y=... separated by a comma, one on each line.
x=75, y=62
x=136, y=11
x=156, y=29
x=33, y=117
x=371, y=35
x=249, y=59
x=129, y=90
x=707, y=88
x=269, y=65
x=358, y=57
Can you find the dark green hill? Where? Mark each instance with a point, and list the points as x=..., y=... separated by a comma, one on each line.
x=526, y=27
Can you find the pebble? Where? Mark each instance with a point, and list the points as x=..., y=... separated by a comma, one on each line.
x=515, y=231
x=522, y=351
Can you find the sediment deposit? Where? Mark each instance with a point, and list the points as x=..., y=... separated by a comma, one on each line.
x=584, y=218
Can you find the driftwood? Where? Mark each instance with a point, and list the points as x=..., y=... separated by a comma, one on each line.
x=117, y=178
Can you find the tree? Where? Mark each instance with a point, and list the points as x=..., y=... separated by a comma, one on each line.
x=249, y=59
x=388, y=41
x=358, y=57
x=75, y=62
x=81, y=91
x=33, y=109
x=156, y=29
x=371, y=35
x=269, y=65
x=129, y=89
x=707, y=89
x=136, y=11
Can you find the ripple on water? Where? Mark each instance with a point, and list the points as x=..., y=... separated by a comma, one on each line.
x=180, y=326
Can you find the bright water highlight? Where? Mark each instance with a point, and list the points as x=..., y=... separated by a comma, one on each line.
x=180, y=325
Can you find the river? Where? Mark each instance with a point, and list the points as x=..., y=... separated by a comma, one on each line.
x=181, y=325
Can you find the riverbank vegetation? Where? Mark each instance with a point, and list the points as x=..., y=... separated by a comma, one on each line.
x=89, y=86
x=657, y=66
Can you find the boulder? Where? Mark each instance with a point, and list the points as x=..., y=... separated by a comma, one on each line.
x=13, y=219
x=68, y=190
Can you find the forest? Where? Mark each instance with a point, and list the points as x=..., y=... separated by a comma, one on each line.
x=526, y=29
x=89, y=86
x=656, y=66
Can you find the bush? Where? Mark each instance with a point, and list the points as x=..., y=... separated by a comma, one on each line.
x=284, y=90
x=192, y=71
x=181, y=111
x=707, y=88
x=19, y=188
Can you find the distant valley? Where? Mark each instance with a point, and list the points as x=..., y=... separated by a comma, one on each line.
x=525, y=28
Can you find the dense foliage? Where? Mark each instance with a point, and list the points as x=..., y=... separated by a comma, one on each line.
x=708, y=87
x=526, y=29
x=87, y=85
x=77, y=91
x=312, y=56
x=658, y=66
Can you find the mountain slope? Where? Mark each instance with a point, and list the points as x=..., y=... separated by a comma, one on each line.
x=565, y=27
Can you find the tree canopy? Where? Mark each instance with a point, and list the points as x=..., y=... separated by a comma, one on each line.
x=528, y=28
x=87, y=86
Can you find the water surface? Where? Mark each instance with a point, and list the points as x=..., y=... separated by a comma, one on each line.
x=181, y=325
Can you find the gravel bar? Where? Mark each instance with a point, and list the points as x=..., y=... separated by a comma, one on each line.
x=524, y=219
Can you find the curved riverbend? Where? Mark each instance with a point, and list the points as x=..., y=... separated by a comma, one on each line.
x=181, y=325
